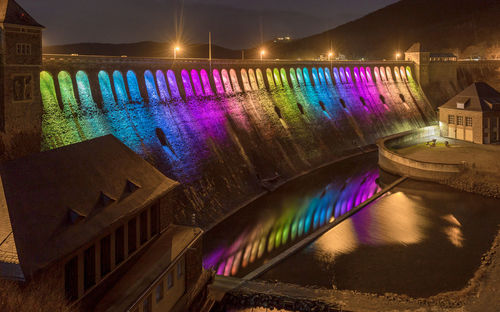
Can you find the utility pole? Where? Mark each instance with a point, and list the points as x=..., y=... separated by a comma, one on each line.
x=210, y=50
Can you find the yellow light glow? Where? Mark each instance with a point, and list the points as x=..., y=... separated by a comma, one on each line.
x=262, y=52
x=177, y=48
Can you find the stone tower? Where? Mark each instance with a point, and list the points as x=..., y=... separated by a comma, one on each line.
x=421, y=60
x=20, y=65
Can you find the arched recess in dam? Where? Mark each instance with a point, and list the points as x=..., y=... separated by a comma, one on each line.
x=172, y=82
x=198, y=89
x=219, y=85
x=67, y=92
x=84, y=90
x=120, y=89
x=149, y=78
x=206, y=82
x=226, y=80
x=162, y=86
x=106, y=89
x=133, y=87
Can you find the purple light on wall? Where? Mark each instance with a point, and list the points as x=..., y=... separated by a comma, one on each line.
x=162, y=86
x=356, y=75
x=342, y=75
x=172, y=82
x=186, y=81
x=369, y=77
x=198, y=89
x=362, y=74
x=348, y=75
x=218, y=82
x=336, y=75
x=227, y=82
x=206, y=82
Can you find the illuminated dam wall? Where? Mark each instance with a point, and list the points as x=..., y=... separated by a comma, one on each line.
x=224, y=130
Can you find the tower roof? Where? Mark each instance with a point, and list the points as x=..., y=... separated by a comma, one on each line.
x=416, y=47
x=479, y=96
x=12, y=13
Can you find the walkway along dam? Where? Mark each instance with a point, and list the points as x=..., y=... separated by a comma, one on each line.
x=226, y=129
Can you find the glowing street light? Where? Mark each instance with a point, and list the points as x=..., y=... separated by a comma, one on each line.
x=262, y=53
x=176, y=49
x=397, y=55
x=330, y=55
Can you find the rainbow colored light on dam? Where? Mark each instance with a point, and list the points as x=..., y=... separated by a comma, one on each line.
x=223, y=129
x=288, y=224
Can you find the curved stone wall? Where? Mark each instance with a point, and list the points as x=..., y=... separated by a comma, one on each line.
x=420, y=170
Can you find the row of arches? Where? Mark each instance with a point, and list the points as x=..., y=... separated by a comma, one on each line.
x=164, y=86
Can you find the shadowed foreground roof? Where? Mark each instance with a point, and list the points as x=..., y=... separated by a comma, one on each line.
x=61, y=199
x=12, y=13
x=479, y=97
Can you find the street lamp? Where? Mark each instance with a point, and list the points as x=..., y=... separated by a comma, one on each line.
x=262, y=53
x=397, y=55
x=176, y=49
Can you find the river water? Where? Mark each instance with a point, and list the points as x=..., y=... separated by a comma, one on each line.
x=420, y=239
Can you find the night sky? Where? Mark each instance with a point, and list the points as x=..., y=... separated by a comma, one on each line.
x=234, y=23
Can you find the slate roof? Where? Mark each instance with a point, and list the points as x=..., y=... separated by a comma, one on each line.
x=12, y=13
x=479, y=96
x=61, y=199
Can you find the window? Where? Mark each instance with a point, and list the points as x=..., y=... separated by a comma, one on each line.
x=119, y=245
x=159, y=292
x=144, y=226
x=146, y=305
x=105, y=255
x=460, y=120
x=155, y=220
x=132, y=236
x=451, y=119
x=468, y=121
x=179, y=269
x=71, y=279
x=170, y=280
x=89, y=268
x=23, y=49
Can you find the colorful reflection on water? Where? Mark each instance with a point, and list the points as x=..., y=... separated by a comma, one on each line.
x=244, y=249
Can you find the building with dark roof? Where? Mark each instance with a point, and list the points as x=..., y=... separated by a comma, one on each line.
x=472, y=115
x=97, y=218
x=20, y=65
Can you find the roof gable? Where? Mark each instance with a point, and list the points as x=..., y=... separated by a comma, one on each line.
x=12, y=13
x=479, y=96
x=61, y=199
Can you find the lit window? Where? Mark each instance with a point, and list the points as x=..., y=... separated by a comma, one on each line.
x=159, y=292
x=468, y=121
x=460, y=120
x=170, y=280
x=451, y=119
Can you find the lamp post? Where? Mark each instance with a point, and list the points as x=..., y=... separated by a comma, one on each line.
x=330, y=58
x=397, y=56
x=176, y=49
x=262, y=53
